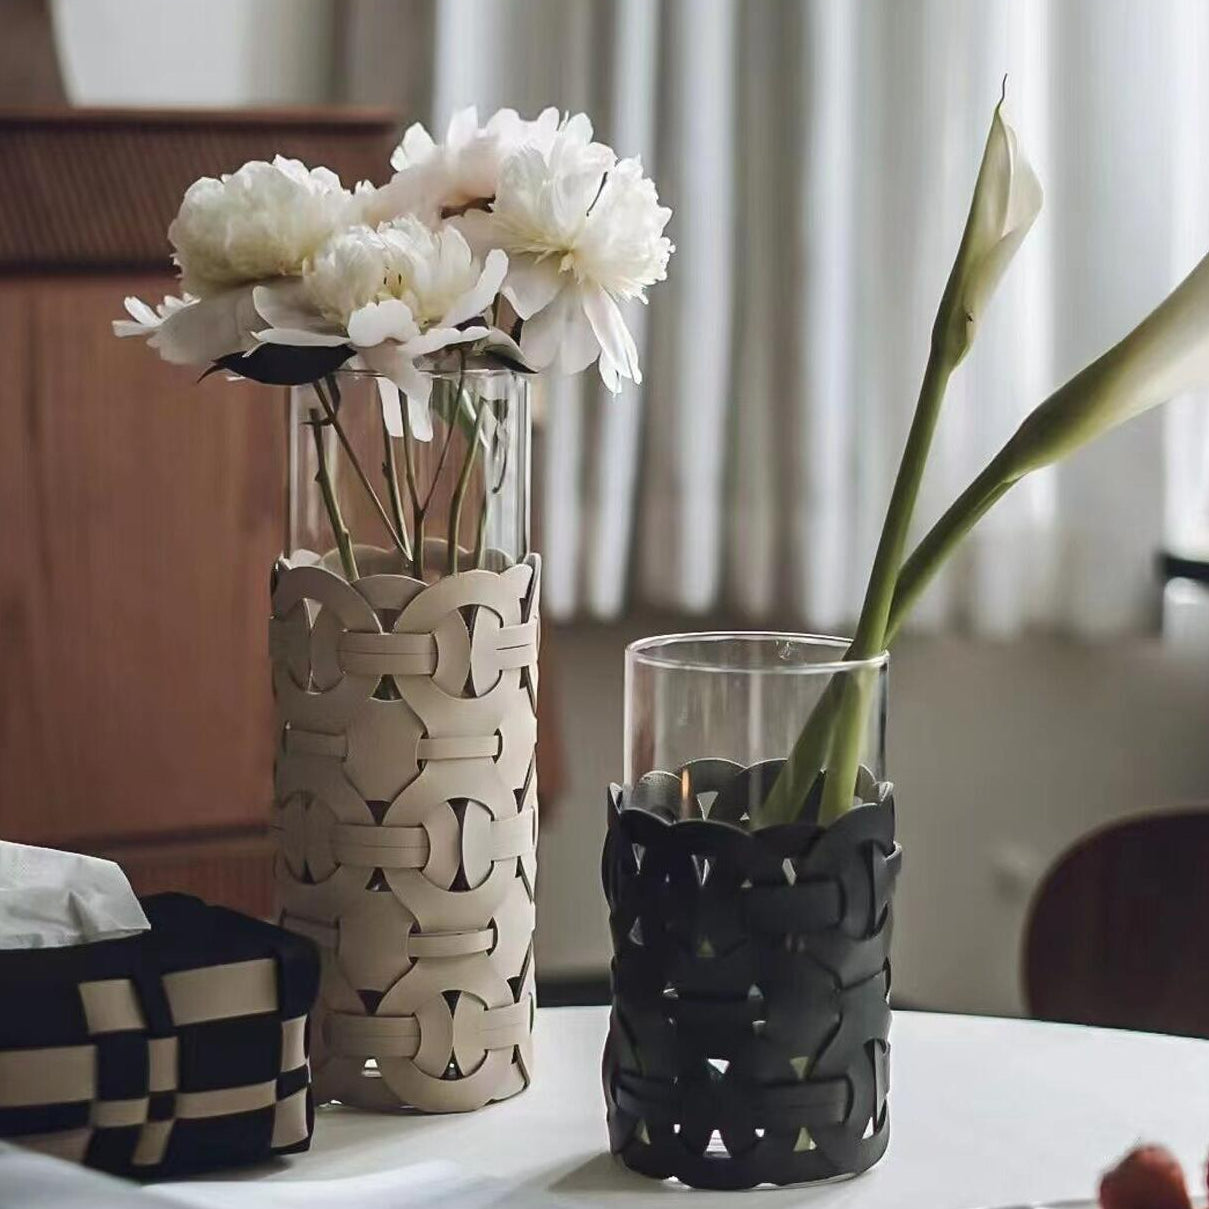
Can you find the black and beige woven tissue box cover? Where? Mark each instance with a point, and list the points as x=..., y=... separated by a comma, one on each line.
x=176, y=1050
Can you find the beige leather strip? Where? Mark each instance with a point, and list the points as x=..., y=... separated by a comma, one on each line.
x=387, y=654
x=515, y=657
x=450, y=944
x=293, y=1047
x=162, y=1060
x=514, y=637
x=153, y=1141
x=459, y=747
x=118, y=1114
x=372, y=1036
x=59, y=1075
x=243, y=988
x=505, y=1026
x=289, y=1120
x=71, y=1144
x=299, y=742
x=327, y=936
x=380, y=847
x=516, y=836
x=222, y=1101
x=111, y=1006
x=287, y=641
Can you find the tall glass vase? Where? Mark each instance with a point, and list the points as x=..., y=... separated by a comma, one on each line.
x=403, y=639
x=749, y=1035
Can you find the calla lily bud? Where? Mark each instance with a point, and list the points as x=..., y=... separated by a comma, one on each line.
x=1166, y=355
x=1007, y=200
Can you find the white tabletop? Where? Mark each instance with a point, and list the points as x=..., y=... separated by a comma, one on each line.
x=984, y=1112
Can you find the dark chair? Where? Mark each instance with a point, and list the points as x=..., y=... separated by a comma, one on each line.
x=1118, y=932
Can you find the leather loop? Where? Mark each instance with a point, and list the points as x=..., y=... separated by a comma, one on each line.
x=459, y=747
x=299, y=742
x=380, y=847
x=387, y=654
x=372, y=1036
x=450, y=944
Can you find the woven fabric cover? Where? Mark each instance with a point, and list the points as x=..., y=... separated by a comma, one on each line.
x=406, y=807
x=748, y=1041
x=177, y=1050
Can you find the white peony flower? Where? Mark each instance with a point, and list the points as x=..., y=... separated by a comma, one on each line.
x=397, y=294
x=262, y=221
x=582, y=232
x=194, y=331
x=435, y=180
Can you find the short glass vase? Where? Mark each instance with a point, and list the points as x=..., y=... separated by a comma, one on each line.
x=749, y=1036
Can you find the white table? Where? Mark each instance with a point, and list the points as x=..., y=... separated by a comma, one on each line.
x=984, y=1112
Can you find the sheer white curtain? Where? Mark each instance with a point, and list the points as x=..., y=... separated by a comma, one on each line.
x=819, y=156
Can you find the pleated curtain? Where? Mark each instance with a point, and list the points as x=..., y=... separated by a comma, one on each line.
x=819, y=155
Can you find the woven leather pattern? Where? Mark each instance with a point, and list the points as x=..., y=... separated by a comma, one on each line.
x=406, y=805
x=177, y=1050
x=748, y=1041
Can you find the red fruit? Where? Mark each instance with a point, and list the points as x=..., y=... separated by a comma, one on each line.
x=1146, y=1178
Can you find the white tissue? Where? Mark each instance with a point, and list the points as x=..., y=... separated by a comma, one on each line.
x=50, y=898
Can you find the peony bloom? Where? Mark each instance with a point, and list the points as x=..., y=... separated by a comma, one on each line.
x=194, y=331
x=582, y=232
x=261, y=222
x=396, y=294
x=435, y=180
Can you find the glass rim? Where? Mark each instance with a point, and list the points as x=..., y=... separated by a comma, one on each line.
x=646, y=651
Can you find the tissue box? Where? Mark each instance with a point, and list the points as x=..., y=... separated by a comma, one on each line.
x=177, y=1050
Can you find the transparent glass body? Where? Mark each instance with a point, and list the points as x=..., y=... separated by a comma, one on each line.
x=399, y=499
x=740, y=696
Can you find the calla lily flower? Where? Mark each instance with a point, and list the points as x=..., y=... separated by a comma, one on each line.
x=1007, y=199
x=1166, y=355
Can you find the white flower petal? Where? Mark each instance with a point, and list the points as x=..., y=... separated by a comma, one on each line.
x=618, y=352
x=297, y=337
x=532, y=283
x=462, y=127
x=379, y=321
x=560, y=335
x=437, y=338
x=143, y=314
x=288, y=304
x=416, y=146
x=392, y=413
x=208, y=329
x=419, y=415
x=478, y=299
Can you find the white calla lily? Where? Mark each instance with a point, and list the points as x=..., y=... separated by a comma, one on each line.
x=1007, y=199
x=1166, y=355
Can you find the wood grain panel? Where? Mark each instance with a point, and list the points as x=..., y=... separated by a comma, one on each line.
x=234, y=871
x=139, y=516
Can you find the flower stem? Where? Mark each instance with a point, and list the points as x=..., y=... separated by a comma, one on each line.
x=831, y=735
x=871, y=629
x=340, y=532
x=334, y=420
x=417, y=509
x=390, y=470
x=926, y=559
x=459, y=494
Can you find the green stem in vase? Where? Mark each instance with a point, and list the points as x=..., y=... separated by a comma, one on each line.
x=344, y=544
x=329, y=408
x=417, y=509
x=459, y=494
x=390, y=470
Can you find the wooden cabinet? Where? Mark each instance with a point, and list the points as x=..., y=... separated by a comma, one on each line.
x=140, y=512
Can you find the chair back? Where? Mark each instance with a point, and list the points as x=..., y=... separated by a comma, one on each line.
x=1118, y=932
